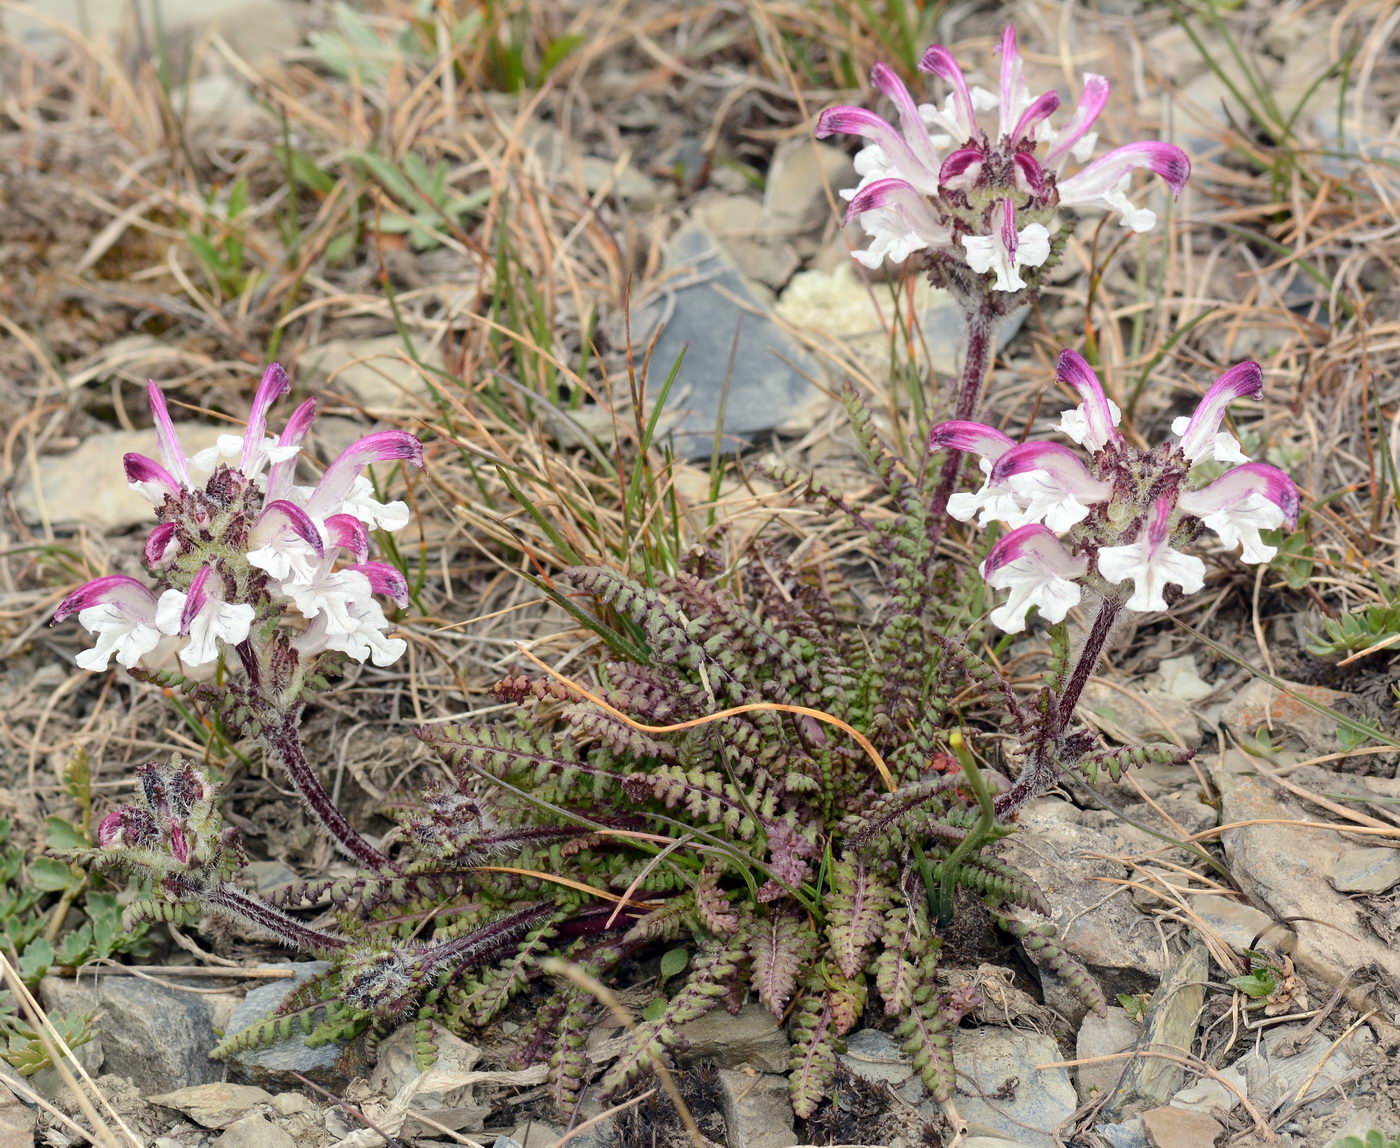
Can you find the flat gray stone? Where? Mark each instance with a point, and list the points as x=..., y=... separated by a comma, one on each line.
x=757, y=1111
x=1274, y=1079
x=795, y=193
x=1169, y=1127
x=876, y=1056
x=1102, y=1036
x=258, y=30
x=710, y=304
x=1061, y=847
x=156, y=1036
x=753, y=1037
x=215, y=1105
x=1365, y=870
x=88, y=485
x=376, y=372
x=1002, y=1093
x=254, y=1132
x=284, y=1056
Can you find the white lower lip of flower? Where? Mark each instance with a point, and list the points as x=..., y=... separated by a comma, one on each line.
x=1030, y=584
x=119, y=634
x=1151, y=572
x=1225, y=447
x=1240, y=526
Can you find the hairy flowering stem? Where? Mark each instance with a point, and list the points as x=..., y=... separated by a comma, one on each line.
x=1040, y=767
x=234, y=901
x=282, y=739
x=1089, y=654
x=983, y=317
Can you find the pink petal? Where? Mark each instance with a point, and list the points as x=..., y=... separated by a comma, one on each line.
x=910, y=121
x=961, y=167
x=941, y=63
x=1237, y=484
x=382, y=446
x=1107, y=172
x=141, y=469
x=349, y=533
x=1042, y=109
x=973, y=438
x=1031, y=173
x=166, y=437
x=1076, y=372
x=385, y=580
x=1242, y=381
x=1038, y=543
x=297, y=521
x=273, y=386
x=279, y=475
x=157, y=542
x=1091, y=103
x=126, y=593
x=1012, y=83
x=1057, y=461
x=196, y=599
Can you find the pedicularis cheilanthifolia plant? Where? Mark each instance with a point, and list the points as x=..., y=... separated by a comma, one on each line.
x=754, y=768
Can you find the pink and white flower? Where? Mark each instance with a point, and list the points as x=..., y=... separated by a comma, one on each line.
x=1123, y=513
x=1151, y=563
x=1038, y=571
x=204, y=617
x=121, y=612
x=940, y=183
x=240, y=545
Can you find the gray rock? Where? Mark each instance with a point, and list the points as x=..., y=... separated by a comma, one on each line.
x=254, y=1132
x=375, y=372
x=1061, y=847
x=1142, y=713
x=258, y=30
x=17, y=1120
x=1210, y=1095
x=1274, y=1078
x=757, y=1112
x=1365, y=870
x=1259, y=705
x=708, y=305
x=625, y=182
x=1169, y=1127
x=1002, y=1093
x=216, y=1105
x=838, y=304
x=1170, y=1026
x=1102, y=1036
x=267, y=875
x=284, y=1056
x=533, y=1134
x=875, y=1056
x=1127, y=1134
x=795, y=193
x=1281, y=867
x=88, y=485
x=156, y=1036
x=753, y=1037
x=736, y=222
x=395, y=1068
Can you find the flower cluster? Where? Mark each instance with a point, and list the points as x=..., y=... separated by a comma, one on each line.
x=938, y=182
x=241, y=548
x=1122, y=515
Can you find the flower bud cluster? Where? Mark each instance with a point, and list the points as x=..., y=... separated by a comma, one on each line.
x=242, y=550
x=940, y=183
x=1122, y=515
x=172, y=830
